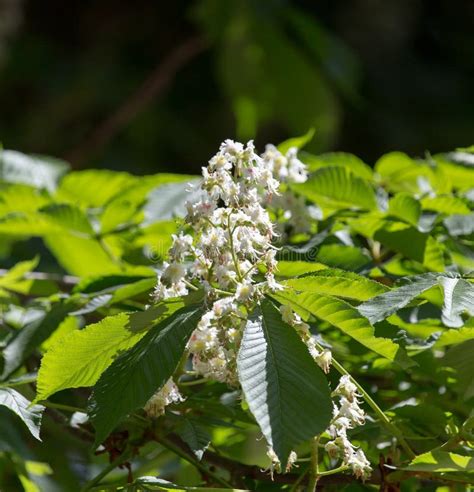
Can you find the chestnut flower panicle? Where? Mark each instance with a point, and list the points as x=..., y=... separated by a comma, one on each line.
x=232, y=245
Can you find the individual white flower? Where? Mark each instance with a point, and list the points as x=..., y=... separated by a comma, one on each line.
x=324, y=360
x=244, y=291
x=352, y=411
x=292, y=458
x=173, y=272
x=167, y=395
x=182, y=245
x=273, y=285
x=360, y=465
x=346, y=388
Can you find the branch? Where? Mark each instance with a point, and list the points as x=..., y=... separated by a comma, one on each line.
x=154, y=85
x=238, y=470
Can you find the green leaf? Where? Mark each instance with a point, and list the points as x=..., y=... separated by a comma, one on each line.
x=382, y=306
x=81, y=255
x=338, y=159
x=133, y=289
x=340, y=283
x=68, y=217
x=21, y=198
x=433, y=257
x=16, y=273
x=298, y=142
x=461, y=358
x=295, y=268
x=461, y=176
x=401, y=173
x=439, y=461
x=195, y=436
x=79, y=358
x=18, y=404
x=285, y=389
x=27, y=224
x=37, y=171
x=405, y=207
x=458, y=298
x=338, y=188
x=136, y=375
x=93, y=187
x=445, y=204
x=404, y=239
x=31, y=336
x=123, y=208
x=345, y=317
x=342, y=256
x=455, y=336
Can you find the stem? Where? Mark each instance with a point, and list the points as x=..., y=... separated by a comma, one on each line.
x=334, y=471
x=192, y=383
x=234, y=257
x=191, y=286
x=193, y=461
x=390, y=426
x=117, y=462
x=60, y=406
x=314, y=467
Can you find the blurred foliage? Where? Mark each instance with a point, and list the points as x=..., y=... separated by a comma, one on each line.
x=369, y=76
x=383, y=275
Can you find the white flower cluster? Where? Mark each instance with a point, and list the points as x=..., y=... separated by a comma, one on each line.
x=168, y=394
x=232, y=246
x=290, y=210
x=322, y=357
x=347, y=415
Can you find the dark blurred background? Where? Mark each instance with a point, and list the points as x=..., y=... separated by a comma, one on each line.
x=150, y=86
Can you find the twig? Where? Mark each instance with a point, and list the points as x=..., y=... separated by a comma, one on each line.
x=64, y=280
x=155, y=84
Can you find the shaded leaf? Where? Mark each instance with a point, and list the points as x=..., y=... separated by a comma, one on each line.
x=285, y=389
x=136, y=375
x=195, y=436
x=382, y=306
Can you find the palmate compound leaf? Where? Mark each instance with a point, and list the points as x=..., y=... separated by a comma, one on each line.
x=29, y=414
x=344, y=316
x=137, y=374
x=79, y=358
x=384, y=305
x=195, y=436
x=286, y=391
